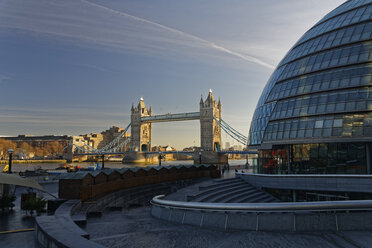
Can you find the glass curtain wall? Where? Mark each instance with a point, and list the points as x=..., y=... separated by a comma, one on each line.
x=323, y=158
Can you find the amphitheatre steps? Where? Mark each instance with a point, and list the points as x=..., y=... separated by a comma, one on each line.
x=232, y=190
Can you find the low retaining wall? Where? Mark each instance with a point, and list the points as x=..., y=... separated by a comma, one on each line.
x=59, y=230
x=325, y=216
x=341, y=183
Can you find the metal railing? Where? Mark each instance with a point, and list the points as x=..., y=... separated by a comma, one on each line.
x=320, y=206
x=238, y=152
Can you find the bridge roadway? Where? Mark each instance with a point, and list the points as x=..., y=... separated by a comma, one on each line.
x=171, y=117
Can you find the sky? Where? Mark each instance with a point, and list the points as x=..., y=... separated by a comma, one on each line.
x=77, y=66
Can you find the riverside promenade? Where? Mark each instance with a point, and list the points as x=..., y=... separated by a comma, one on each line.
x=135, y=227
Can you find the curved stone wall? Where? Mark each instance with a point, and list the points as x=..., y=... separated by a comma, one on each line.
x=283, y=217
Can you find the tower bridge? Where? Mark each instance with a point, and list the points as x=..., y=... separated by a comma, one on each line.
x=210, y=131
x=140, y=142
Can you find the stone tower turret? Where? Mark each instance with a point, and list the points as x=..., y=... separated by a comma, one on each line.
x=140, y=132
x=210, y=131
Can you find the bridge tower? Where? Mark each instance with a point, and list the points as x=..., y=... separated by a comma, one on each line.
x=210, y=131
x=140, y=132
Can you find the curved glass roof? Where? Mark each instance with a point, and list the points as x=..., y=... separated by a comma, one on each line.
x=322, y=87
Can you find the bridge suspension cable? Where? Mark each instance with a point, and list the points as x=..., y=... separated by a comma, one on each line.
x=233, y=133
x=114, y=146
x=82, y=149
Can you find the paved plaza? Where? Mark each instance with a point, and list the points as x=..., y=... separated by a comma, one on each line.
x=136, y=228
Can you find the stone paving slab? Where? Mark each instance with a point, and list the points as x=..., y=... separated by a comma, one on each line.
x=136, y=228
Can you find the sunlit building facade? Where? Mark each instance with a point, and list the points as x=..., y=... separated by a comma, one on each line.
x=315, y=113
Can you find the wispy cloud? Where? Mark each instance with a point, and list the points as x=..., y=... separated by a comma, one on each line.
x=187, y=35
x=62, y=117
x=110, y=28
x=4, y=78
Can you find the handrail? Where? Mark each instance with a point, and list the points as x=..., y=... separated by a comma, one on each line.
x=318, y=206
x=369, y=176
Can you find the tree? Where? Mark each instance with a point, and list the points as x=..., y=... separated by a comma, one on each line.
x=5, y=145
x=53, y=148
x=39, y=151
x=6, y=202
x=26, y=149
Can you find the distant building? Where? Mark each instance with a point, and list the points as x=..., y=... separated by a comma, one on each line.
x=165, y=149
x=227, y=145
x=39, y=142
x=68, y=143
x=99, y=140
x=238, y=147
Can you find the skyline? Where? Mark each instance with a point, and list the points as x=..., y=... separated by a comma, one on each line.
x=103, y=56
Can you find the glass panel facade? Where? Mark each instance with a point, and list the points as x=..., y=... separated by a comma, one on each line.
x=337, y=158
x=321, y=126
x=323, y=103
x=349, y=17
x=321, y=88
x=352, y=54
x=347, y=6
x=359, y=32
x=263, y=111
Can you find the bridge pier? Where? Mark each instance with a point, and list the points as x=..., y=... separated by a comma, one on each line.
x=137, y=157
x=209, y=157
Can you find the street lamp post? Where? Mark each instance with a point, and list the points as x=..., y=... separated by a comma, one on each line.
x=200, y=157
x=103, y=161
x=159, y=158
x=10, y=151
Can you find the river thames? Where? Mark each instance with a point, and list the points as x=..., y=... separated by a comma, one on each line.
x=114, y=165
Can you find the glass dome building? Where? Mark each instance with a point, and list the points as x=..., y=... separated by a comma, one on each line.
x=315, y=113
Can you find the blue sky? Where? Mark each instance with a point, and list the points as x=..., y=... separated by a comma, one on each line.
x=76, y=66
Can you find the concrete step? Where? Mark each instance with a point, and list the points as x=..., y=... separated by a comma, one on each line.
x=222, y=194
x=261, y=198
x=223, y=180
x=80, y=219
x=250, y=198
x=270, y=199
x=220, y=186
x=228, y=195
x=210, y=191
x=235, y=198
x=80, y=216
x=209, y=197
x=339, y=241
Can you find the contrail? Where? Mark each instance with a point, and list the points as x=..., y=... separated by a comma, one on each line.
x=208, y=43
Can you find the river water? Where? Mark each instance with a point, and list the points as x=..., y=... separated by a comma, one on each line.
x=113, y=165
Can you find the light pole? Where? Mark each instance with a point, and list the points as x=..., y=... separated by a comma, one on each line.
x=10, y=151
x=159, y=158
x=200, y=157
x=103, y=161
